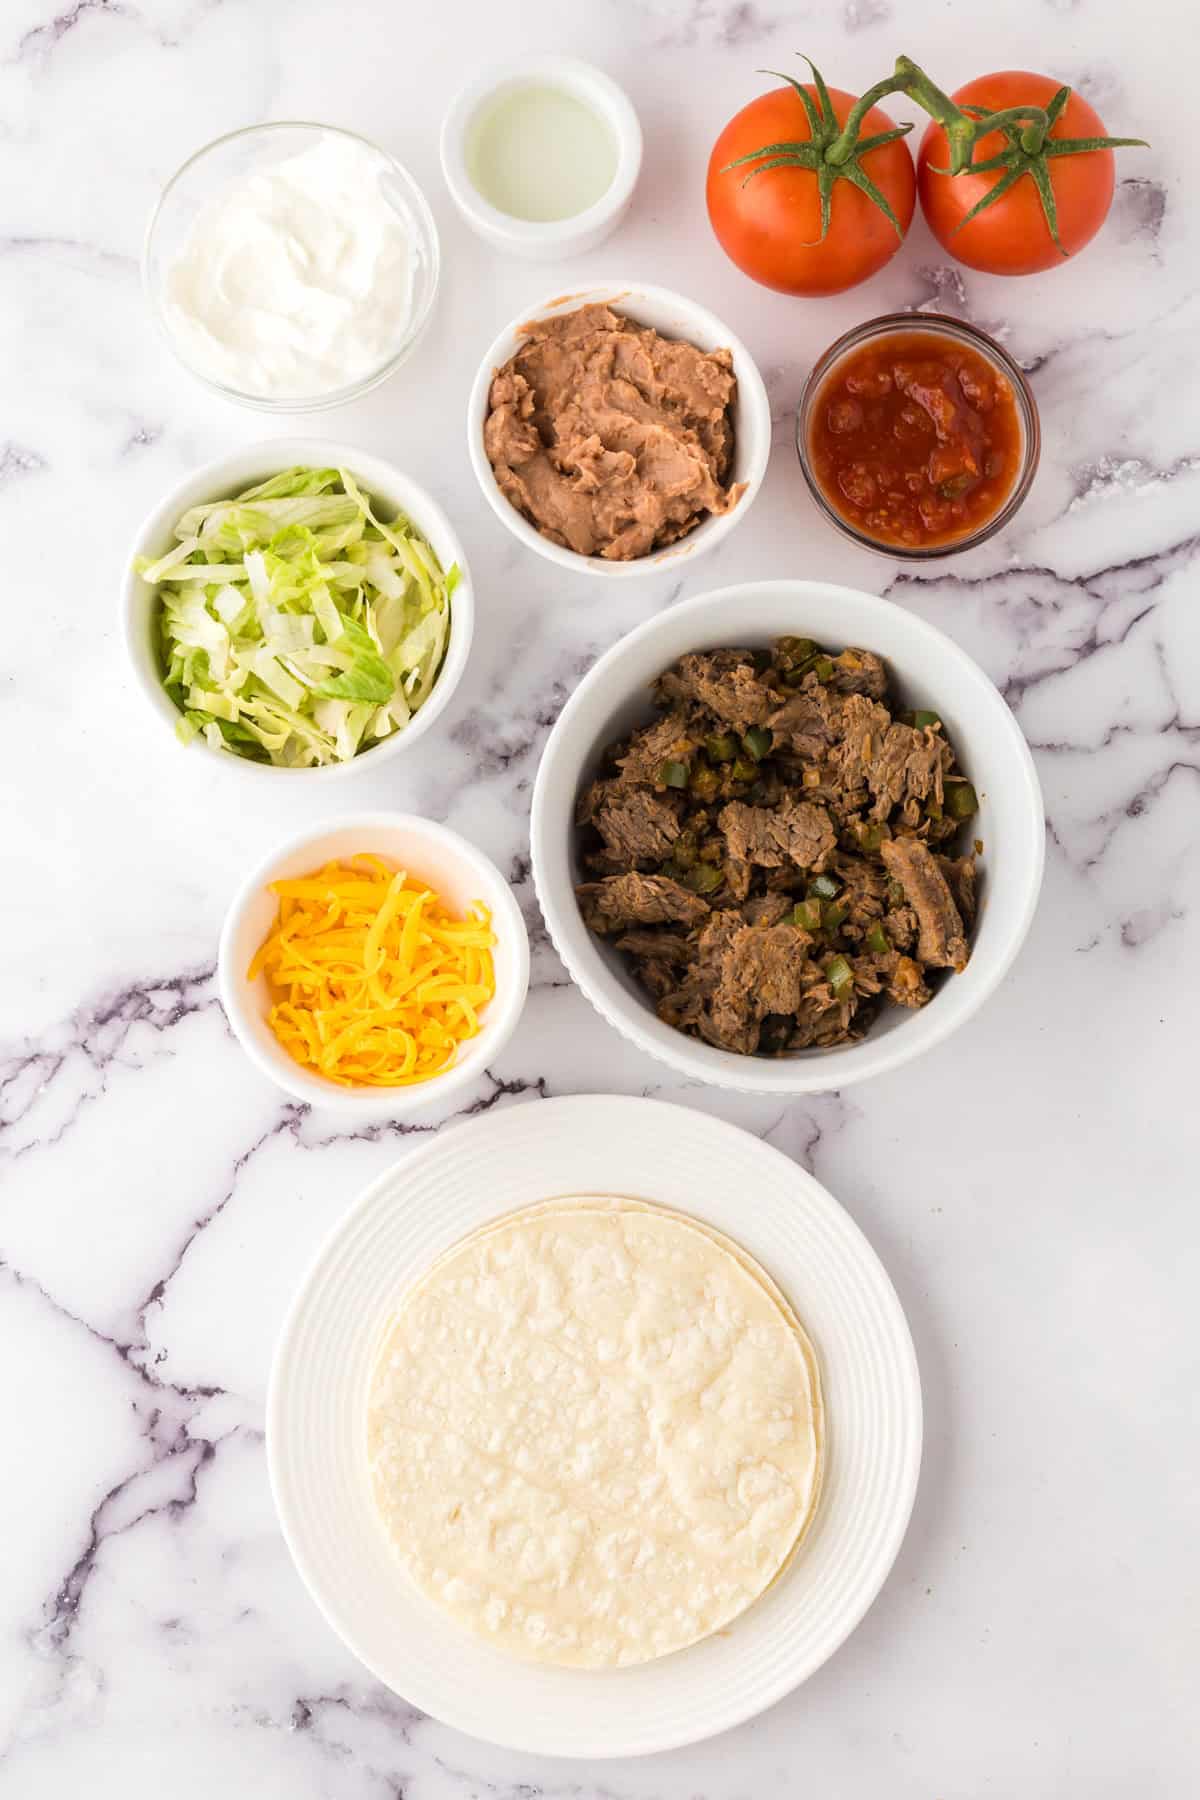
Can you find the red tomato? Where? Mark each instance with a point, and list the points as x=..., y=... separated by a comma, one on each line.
x=1012, y=237
x=770, y=224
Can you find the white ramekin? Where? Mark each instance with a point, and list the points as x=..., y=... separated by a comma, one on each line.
x=543, y=240
x=928, y=670
x=675, y=317
x=228, y=475
x=456, y=870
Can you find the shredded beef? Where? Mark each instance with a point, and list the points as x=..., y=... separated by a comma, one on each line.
x=795, y=834
x=809, y=723
x=621, y=900
x=723, y=683
x=766, y=909
x=761, y=972
x=910, y=766
x=941, y=943
x=775, y=852
x=643, y=756
x=859, y=672
x=638, y=827
x=960, y=879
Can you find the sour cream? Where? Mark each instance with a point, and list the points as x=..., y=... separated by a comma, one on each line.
x=296, y=280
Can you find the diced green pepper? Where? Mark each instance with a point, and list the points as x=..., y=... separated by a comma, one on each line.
x=823, y=668
x=807, y=914
x=870, y=836
x=833, y=914
x=924, y=720
x=839, y=974
x=877, y=940
x=962, y=802
x=895, y=893
x=794, y=649
x=683, y=853
x=756, y=742
x=744, y=770
x=705, y=783
x=933, y=809
x=703, y=879
x=823, y=887
x=674, y=774
x=720, y=749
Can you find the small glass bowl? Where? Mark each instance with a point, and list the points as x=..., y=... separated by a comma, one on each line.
x=212, y=170
x=936, y=325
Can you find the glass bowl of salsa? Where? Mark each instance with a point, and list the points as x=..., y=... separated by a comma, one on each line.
x=918, y=435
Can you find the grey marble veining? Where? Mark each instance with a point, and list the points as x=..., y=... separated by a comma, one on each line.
x=1031, y=1185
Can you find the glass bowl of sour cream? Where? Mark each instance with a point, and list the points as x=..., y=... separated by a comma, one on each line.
x=291, y=267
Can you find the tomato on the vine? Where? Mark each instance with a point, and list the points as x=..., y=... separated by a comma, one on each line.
x=1029, y=198
x=799, y=203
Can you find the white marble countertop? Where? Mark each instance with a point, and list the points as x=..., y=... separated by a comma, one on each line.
x=1030, y=1186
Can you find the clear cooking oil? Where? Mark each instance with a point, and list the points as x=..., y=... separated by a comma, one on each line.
x=539, y=153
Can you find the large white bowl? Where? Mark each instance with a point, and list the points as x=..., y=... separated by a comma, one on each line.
x=928, y=671
x=456, y=870
x=675, y=317
x=229, y=475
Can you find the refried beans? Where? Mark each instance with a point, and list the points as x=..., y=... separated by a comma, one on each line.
x=612, y=440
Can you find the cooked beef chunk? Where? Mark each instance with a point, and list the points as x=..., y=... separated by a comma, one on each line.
x=738, y=876
x=761, y=972
x=685, y=1007
x=809, y=723
x=795, y=834
x=768, y=849
x=859, y=672
x=658, y=943
x=864, y=889
x=909, y=765
x=864, y=725
x=721, y=682
x=766, y=909
x=588, y=803
x=621, y=900
x=906, y=985
x=646, y=751
x=960, y=879
x=941, y=943
x=638, y=827
x=900, y=927
x=658, y=953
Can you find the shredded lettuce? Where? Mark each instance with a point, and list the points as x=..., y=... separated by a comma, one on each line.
x=297, y=626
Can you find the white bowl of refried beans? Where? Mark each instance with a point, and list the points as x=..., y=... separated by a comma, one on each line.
x=619, y=430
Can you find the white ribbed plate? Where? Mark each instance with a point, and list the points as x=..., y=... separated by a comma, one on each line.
x=608, y=1145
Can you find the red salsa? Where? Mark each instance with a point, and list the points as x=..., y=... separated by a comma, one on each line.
x=915, y=439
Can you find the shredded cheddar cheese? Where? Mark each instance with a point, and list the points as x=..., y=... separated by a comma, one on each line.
x=373, y=982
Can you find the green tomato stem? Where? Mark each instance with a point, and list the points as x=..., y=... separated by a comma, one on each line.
x=909, y=78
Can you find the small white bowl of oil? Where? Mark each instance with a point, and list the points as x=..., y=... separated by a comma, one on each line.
x=541, y=157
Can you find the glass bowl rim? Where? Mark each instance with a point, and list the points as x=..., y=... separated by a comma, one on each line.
x=427, y=235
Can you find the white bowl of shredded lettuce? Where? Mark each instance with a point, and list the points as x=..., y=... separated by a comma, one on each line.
x=298, y=607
